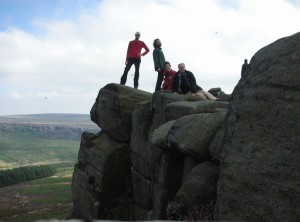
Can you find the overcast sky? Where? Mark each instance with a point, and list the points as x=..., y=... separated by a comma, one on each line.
x=55, y=55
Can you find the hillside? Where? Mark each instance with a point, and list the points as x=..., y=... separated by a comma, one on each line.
x=40, y=139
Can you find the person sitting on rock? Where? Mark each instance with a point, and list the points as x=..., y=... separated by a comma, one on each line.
x=184, y=82
x=168, y=74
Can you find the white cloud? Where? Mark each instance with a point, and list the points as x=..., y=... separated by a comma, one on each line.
x=75, y=58
x=15, y=95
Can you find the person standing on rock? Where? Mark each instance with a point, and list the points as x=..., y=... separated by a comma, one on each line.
x=159, y=60
x=133, y=56
x=185, y=83
x=245, y=66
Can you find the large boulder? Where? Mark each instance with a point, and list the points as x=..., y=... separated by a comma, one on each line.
x=113, y=109
x=179, y=109
x=260, y=171
x=193, y=134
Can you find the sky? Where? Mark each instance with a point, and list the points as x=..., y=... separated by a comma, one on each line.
x=55, y=55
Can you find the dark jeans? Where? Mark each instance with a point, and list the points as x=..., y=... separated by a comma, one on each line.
x=130, y=62
x=159, y=81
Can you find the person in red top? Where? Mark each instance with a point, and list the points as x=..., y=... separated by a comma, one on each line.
x=134, y=57
x=168, y=74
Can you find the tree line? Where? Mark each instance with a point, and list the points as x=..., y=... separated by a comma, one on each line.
x=22, y=174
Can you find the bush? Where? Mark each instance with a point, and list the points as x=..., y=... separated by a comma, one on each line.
x=177, y=211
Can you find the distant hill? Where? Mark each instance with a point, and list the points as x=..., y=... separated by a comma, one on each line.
x=48, y=125
x=71, y=120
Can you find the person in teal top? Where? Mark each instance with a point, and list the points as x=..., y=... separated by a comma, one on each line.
x=159, y=60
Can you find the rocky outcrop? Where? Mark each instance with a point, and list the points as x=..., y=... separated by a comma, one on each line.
x=167, y=156
x=260, y=172
x=145, y=154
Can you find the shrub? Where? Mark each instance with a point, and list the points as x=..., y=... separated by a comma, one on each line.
x=177, y=211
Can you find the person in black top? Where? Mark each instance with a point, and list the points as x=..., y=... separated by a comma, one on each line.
x=245, y=66
x=184, y=82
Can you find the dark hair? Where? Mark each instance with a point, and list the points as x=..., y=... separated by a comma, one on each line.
x=166, y=63
x=154, y=42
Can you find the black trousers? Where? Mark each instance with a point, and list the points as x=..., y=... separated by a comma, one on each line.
x=159, y=81
x=130, y=62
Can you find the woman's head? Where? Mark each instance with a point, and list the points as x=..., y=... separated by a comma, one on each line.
x=167, y=66
x=156, y=43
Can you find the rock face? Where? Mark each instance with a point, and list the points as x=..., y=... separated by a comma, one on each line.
x=260, y=174
x=101, y=176
x=176, y=157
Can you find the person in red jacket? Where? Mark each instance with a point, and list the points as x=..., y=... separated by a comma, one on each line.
x=168, y=74
x=134, y=57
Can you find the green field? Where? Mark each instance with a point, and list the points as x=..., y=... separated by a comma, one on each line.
x=21, y=146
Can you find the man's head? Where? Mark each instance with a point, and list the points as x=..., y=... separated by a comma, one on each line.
x=245, y=61
x=137, y=35
x=181, y=67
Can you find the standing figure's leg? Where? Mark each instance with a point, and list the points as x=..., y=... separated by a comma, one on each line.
x=137, y=73
x=126, y=70
x=159, y=80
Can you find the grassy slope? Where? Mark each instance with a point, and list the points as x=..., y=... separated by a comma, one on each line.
x=45, y=198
